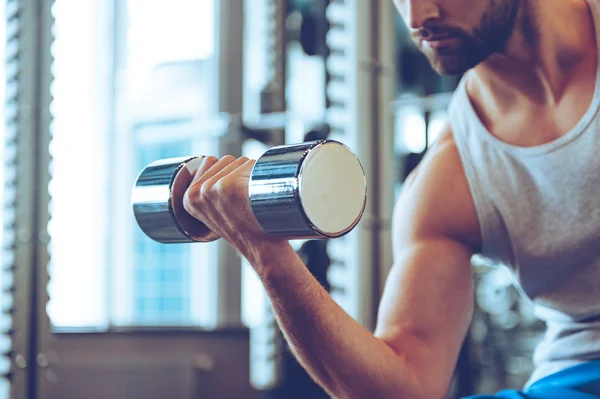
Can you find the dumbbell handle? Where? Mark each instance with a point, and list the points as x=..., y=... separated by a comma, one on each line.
x=308, y=190
x=157, y=199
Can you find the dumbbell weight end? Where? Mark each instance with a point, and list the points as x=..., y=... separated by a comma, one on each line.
x=157, y=199
x=302, y=191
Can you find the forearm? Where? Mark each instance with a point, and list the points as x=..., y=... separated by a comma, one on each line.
x=343, y=357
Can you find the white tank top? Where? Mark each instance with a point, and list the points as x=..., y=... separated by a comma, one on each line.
x=539, y=213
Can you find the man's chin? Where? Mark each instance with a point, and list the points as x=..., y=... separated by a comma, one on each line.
x=450, y=65
x=449, y=71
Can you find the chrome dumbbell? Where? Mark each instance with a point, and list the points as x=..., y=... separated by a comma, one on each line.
x=302, y=191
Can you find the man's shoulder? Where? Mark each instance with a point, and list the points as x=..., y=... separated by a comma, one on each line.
x=443, y=150
x=436, y=198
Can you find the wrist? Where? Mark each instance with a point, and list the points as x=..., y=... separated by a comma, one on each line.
x=270, y=256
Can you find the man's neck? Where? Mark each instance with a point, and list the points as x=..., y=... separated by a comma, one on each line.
x=550, y=39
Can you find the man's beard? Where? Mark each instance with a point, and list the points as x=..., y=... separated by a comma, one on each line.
x=467, y=54
x=489, y=37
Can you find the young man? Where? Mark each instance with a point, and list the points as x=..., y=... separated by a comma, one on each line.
x=514, y=176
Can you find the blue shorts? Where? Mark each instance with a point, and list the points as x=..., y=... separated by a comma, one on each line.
x=578, y=382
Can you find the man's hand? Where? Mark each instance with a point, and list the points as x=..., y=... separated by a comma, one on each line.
x=218, y=197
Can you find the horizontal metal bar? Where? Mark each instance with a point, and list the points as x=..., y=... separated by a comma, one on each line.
x=430, y=103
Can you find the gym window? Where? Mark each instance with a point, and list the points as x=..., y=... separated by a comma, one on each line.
x=131, y=84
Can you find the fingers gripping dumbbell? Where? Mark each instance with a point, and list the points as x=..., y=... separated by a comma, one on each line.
x=302, y=191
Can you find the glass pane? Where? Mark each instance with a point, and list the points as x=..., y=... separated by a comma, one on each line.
x=126, y=94
x=79, y=189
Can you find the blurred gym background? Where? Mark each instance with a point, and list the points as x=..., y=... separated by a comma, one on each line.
x=97, y=89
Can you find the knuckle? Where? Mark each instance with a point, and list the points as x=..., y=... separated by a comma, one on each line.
x=228, y=158
x=225, y=187
x=207, y=189
x=189, y=201
x=220, y=187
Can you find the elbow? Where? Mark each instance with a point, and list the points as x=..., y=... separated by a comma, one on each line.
x=416, y=373
x=371, y=392
x=390, y=384
x=397, y=375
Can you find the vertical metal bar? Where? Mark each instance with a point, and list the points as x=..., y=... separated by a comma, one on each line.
x=350, y=115
x=42, y=337
x=24, y=228
x=230, y=55
x=21, y=239
x=273, y=98
x=267, y=349
x=376, y=183
x=386, y=92
x=12, y=188
x=360, y=90
x=366, y=136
